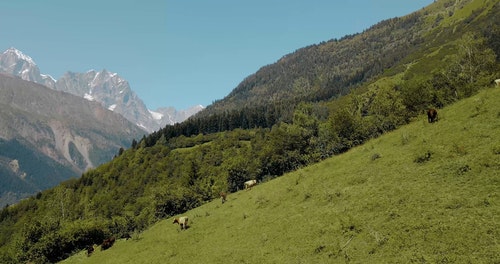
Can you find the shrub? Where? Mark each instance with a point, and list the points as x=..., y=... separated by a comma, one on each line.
x=423, y=158
x=376, y=156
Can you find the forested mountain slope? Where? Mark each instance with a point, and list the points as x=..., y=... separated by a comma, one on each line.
x=333, y=68
x=186, y=165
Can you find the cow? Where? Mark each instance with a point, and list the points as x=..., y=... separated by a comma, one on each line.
x=127, y=236
x=107, y=243
x=223, y=196
x=182, y=221
x=249, y=184
x=497, y=82
x=432, y=115
x=90, y=250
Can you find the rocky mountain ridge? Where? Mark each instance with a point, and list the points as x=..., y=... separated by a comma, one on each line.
x=105, y=87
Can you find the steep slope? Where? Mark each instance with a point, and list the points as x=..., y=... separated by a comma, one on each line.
x=26, y=170
x=424, y=193
x=331, y=68
x=337, y=67
x=48, y=136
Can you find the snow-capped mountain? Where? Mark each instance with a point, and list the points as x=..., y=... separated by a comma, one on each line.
x=14, y=62
x=105, y=87
x=112, y=91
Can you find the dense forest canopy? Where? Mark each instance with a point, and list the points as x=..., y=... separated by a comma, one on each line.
x=314, y=103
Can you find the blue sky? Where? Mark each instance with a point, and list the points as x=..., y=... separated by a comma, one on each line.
x=180, y=53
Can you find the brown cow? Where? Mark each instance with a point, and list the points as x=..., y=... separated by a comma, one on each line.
x=432, y=115
x=223, y=196
x=107, y=243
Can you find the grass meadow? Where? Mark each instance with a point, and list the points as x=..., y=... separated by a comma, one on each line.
x=425, y=193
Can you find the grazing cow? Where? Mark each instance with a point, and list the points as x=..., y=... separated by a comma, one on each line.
x=497, y=82
x=223, y=196
x=107, y=243
x=182, y=221
x=127, y=236
x=90, y=250
x=432, y=115
x=249, y=184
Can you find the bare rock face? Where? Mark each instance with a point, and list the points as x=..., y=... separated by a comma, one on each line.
x=74, y=148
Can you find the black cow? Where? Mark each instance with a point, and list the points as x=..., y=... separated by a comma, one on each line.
x=432, y=115
x=90, y=250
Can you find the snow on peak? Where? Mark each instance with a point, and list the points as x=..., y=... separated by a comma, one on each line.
x=112, y=107
x=142, y=126
x=108, y=73
x=89, y=97
x=103, y=75
x=93, y=82
x=20, y=55
x=156, y=115
x=47, y=76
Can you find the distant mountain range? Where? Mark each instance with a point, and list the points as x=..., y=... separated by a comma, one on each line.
x=107, y=88
x=48, y=136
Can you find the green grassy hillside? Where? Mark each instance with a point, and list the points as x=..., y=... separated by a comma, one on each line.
x=425, y=193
